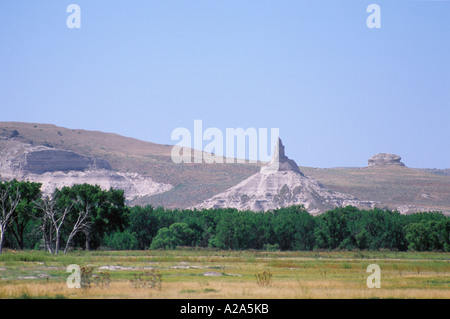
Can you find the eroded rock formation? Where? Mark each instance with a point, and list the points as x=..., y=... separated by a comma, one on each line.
x=280, y=184
x=51, y=160
x=56, y=168
x=385, y=159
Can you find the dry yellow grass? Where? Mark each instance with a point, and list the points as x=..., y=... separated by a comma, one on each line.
x=296, y=275
x=284, y=289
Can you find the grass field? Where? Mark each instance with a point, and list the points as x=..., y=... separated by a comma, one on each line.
x=203, y=273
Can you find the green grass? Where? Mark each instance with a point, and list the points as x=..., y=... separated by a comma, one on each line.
x=309, y=274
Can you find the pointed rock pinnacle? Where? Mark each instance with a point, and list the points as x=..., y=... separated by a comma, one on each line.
x=280, y=162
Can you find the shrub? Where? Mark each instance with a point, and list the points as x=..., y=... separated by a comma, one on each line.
x=102, y=279
x=147, y=279
x=269, y=247
x=264, y=279
x=86, y=277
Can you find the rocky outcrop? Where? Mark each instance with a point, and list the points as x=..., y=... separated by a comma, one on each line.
x=56, y=168
x=40, y=161
x=19, y=156
x=133, y=184
x=280, y=162
x=281, y=184
x=385, y=159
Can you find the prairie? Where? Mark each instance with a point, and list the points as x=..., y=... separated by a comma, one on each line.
x=209, y=274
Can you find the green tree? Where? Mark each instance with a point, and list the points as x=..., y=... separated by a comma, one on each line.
x=143, y=222
x=95, y=213
x=332, y=230
x=226, y=237
x=110, y=216
x=418, y=237
x=429, y=235
x=374, y=229
x=294, y=228
x=178, y=234
x=427, y=231
x=26, y=210
x=243, y=230
x=125, y=240
x=443, y=233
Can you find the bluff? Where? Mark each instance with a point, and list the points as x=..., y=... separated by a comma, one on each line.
x=280, y=184
x=51, y=160
x=56, y=168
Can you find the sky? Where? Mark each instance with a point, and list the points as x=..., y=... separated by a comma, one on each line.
x=337, y=90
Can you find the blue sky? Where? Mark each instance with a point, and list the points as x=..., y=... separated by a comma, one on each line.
x=338, y=91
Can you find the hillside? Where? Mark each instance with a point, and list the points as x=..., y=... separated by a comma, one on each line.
x=192, y=182
x=399, y=187
x=395, y=186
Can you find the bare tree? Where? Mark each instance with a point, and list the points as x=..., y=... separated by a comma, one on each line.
x=54, y=218
x=8, y=202
x=82, y=223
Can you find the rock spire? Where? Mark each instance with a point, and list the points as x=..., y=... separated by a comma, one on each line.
x=281, y=184
x=280, y=162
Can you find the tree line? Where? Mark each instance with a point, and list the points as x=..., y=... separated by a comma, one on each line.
x=77, y=216
x=87, y=217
